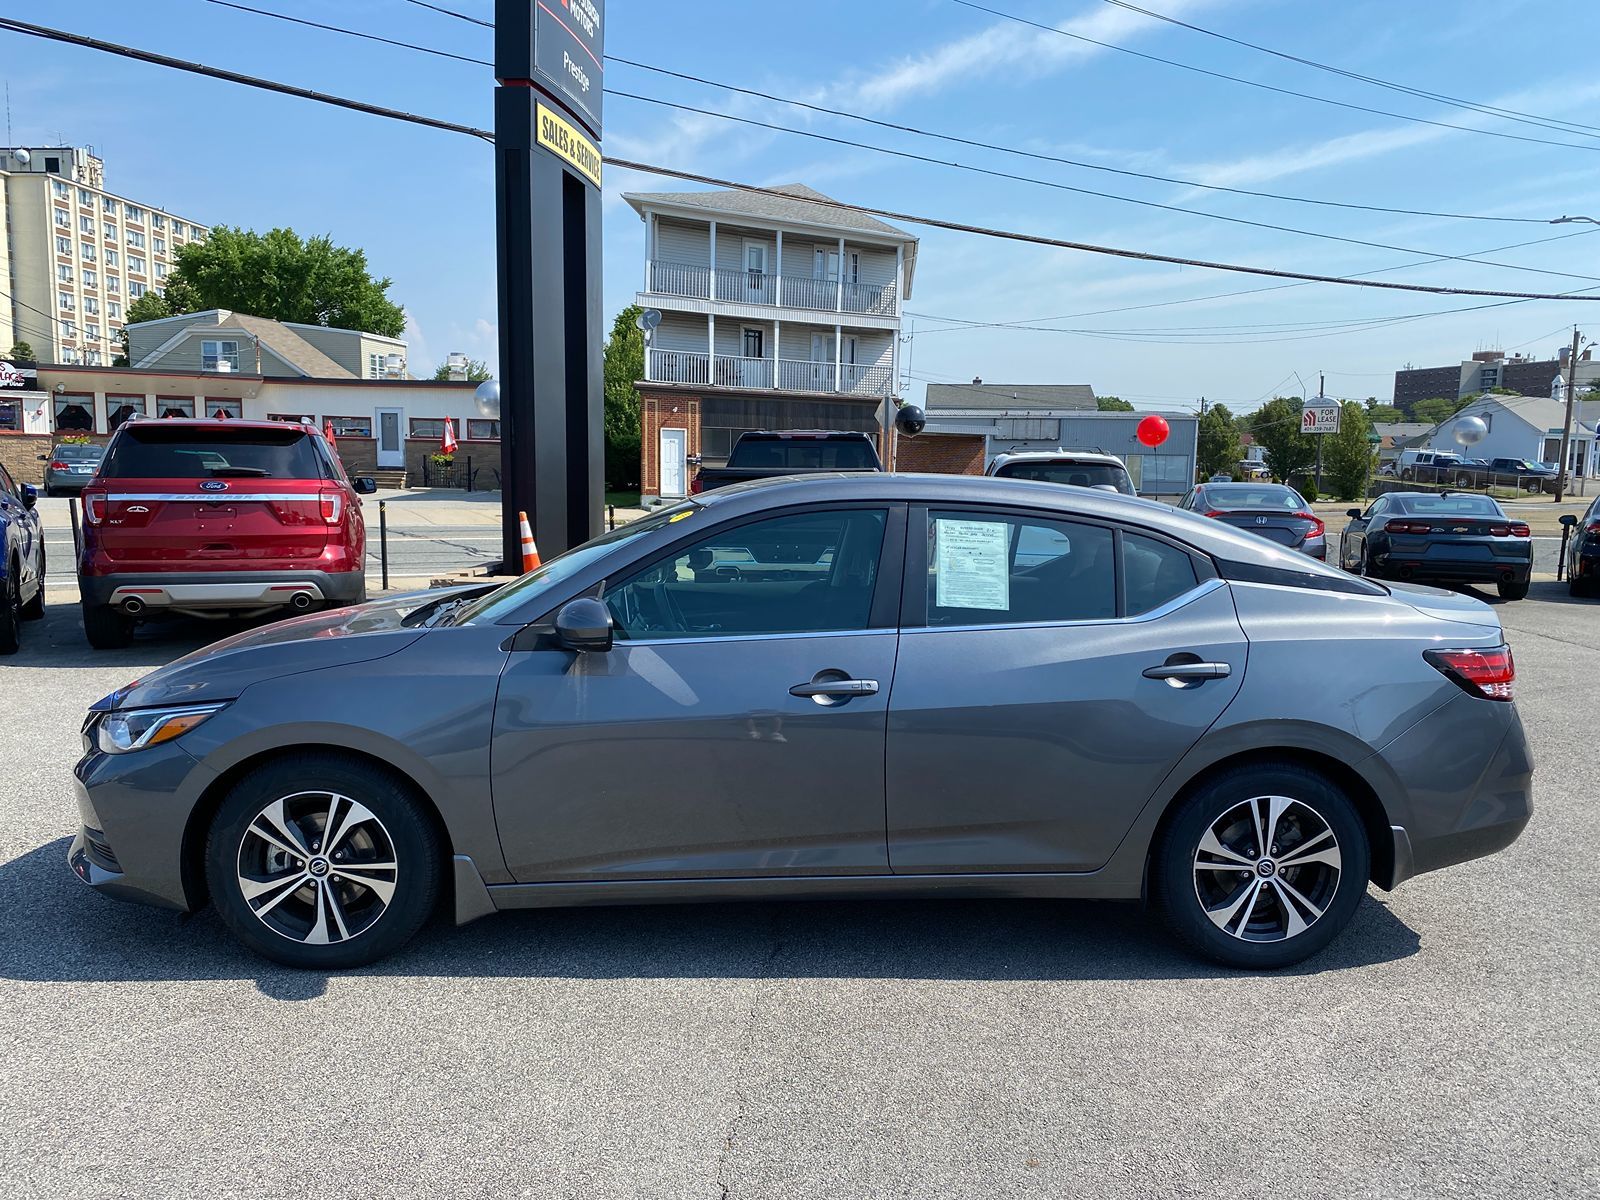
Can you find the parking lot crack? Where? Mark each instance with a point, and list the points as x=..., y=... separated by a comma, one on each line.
x=742, y=1055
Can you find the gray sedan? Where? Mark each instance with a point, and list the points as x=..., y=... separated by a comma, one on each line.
x=70, y=466
x=888, y=685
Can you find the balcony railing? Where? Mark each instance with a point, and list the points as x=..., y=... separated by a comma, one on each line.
x=763, y=287
x=786, y=374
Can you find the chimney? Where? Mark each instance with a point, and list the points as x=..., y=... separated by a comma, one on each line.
x=977, y=381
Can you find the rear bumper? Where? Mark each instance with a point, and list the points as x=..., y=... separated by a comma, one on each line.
x=1439, y=571
x=214, y=591
x=66, y=483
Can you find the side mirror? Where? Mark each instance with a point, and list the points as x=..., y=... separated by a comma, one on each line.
x=30, y=495
x=1569, y=520
x=584, y=625
x=44, y=458
x=1354, y=513
x=364, y=485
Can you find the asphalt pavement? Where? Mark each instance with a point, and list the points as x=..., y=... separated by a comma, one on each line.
x=1444, y=1046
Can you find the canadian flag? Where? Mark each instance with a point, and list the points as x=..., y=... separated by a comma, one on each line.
x=447, y=443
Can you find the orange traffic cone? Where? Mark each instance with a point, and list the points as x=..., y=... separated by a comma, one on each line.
x=530, y=552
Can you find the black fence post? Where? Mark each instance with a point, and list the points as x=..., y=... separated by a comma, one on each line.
x=469, y=473
x=611, y=516
x=77, y=531
x=383, y=540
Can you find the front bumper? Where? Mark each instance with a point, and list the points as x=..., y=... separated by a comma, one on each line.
x=135, y=810
x=213, y=591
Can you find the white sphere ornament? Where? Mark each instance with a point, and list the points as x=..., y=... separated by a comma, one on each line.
x=487, y=398
x=1470, y=431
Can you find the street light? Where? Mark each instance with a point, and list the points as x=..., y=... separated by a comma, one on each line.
x=1575, y=221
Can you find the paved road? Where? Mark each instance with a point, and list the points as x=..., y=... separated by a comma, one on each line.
x=1444, y=1046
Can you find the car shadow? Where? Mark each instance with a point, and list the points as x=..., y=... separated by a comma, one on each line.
x=58, y=640
x=60, y=932
x=1546, y=591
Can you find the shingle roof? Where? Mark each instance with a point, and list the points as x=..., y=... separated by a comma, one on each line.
x=998, y=396
x=801, y=208
x=275, y=336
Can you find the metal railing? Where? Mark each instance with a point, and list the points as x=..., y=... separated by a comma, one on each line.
x=763, y=287
x=680, y=366
x=802, y=291
x=874, y=298
x=746, y=287
x=734, y=371
x=680, y=279
x=860, y=379
x=803, y=375
x=786, y=374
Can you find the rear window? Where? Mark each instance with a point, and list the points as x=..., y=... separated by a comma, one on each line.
x=1461, y=505
x=155, y=451
x=1085, y=474
x=1247, y=496
x=821, y=454
x=77, y=453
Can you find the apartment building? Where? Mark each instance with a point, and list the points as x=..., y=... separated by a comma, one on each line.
x=76, y=255
x=777, y=312
x=1485, y=371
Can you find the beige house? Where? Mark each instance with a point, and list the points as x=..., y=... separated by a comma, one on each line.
x=223, y=341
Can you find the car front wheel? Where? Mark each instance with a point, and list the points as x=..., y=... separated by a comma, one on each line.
x=11, y=611
x=1261, y=867
x=322, y=862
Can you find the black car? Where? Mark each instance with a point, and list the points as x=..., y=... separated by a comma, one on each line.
x=1583, y=551
x=1269, y=510
x=1439, y=537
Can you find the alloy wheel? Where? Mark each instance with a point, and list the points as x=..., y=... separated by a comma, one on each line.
x=317, y=868
x=1267, y=869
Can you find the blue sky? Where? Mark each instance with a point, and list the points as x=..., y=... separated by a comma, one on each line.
x=420, y=202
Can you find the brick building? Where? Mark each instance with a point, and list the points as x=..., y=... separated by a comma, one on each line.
x=1485, y=371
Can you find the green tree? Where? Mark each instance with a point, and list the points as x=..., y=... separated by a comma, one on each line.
x=21, y=351
x=624, y=366
x=1112, y=404
x=1347, y=456
x=1219, y=451
x=1276, y=428
x=1384, y=414
x=477, y=371
x=1438, y=408
x=284, y=277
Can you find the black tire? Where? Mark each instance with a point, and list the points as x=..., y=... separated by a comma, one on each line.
x=50, y=493
x=396, y=825
x=1408, y=476
x=1318, y=804
x=11, y=611
x=1517, y=589
x=1463, y=481
x=33, y=610
x=105, y=627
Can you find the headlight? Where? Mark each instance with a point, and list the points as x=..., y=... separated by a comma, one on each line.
x=120, y=732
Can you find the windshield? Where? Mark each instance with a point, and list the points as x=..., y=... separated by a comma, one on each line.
x=1454, y=504
x=1245, y=495
x=155, y=451
x=486, y=610
x=77, y=453
x=800, y=453
x=1079, y=474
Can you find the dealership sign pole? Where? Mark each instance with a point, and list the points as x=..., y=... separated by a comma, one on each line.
x=547, y=122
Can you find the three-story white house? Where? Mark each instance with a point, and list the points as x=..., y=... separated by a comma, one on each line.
x=777, y=312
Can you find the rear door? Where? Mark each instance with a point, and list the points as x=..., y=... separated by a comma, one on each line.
x=1035, y=706
x=215, y=497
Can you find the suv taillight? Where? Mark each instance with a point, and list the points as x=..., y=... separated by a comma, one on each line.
x=331, y=506
x=94, y=507
x=1487, y=674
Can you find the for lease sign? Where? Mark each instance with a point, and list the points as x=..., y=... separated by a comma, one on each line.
x=1319, y=418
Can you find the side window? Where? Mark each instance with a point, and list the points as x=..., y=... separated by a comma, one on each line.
x=1000, y=570
x=6, y=486
x=804, y=573
x=1153, y=573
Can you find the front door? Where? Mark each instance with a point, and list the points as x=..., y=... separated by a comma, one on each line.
x=821, y=362
x=674, y=463
x=1024, y=732
x=736, y=727
x=391, y=439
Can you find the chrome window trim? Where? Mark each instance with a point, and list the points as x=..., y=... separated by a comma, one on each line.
x=751, y=637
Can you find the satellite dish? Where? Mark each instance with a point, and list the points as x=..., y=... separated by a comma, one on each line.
x=1470, y=431
x=22, y=156
x=648, y=319
x=487, y=398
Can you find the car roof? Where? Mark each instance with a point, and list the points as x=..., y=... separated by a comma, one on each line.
x=215, y=423
x=1094, y=456
x=1404, y=498
x=1064, y=503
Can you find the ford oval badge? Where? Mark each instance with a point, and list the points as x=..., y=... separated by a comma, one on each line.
x=213, y=485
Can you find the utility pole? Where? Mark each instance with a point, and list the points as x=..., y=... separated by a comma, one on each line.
x=1566, y=425
x=1321, y=394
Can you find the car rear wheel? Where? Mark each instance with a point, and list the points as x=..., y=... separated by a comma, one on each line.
x=33, y=610
x=322, y=862
x=105, y=627
x=11, y=611
x=1463, y=480
x=1261, y=867
x=1516, y=589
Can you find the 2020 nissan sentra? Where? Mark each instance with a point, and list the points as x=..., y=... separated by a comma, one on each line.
x=889, y=685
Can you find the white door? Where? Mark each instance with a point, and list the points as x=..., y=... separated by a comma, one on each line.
x=821, y=362
x=391, y=438
x=674, y=463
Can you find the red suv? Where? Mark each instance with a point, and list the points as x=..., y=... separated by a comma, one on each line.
x=211, y=518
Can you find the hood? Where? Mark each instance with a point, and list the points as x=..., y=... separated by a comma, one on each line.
x=1446, y=606
x=222, y=670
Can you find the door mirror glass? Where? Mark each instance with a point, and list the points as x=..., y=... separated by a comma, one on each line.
x=1568, y=519
x=584, y=625
x=1353, y=513
x=364, y=485
x=30, y=495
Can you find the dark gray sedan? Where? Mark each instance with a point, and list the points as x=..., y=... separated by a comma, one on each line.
x=889, y=685
x=1270, y=510
x=1439, y=537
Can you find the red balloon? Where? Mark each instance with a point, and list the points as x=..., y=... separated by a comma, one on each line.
x=1153, y=430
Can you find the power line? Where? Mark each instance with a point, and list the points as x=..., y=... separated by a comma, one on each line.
x=1509, y=114
x=824, y=202
x=450, y=12
x=1067, y=187
x=1499, y=133
x=195, y=68
x=894, y=126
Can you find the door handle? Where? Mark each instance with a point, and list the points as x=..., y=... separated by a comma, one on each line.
x=1189, y=671
x=835, y=688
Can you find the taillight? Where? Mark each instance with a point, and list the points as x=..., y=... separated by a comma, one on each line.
x=1407, y=527
x=1487, y=674
x=1513, y=529
x=331, y=504
x=1315, y=520
x=1216, y=512
x=1518, y=529
x=58, y=465
x=94, y=508
x=1594, y=527
x=696, y=486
